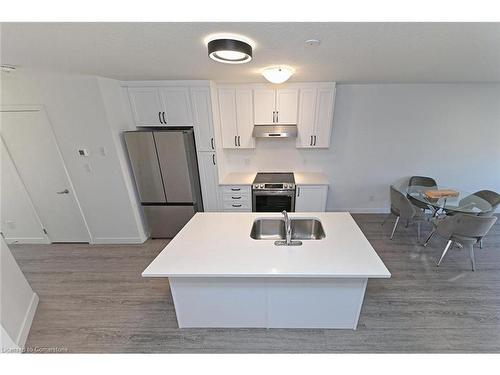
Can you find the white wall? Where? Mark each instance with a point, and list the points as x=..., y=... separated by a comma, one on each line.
x=382, y=133
x=18, y=219
x=77, y=113
x=18, y=302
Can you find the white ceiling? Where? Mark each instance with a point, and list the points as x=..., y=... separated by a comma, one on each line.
x=349, y=52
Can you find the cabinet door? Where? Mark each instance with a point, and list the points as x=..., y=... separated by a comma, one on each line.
x=324, y=117
x=286, y=106
x=311, y=198
x=209, y=181
x=227, y=110
x=146, y=106
x=307, y=117
x=202, y=113
x=244, y=118
x=177, y=106
x=264, y=106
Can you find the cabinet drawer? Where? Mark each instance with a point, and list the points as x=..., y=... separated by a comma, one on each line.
x=236, y=197
x=237, y=206
x=240, y=189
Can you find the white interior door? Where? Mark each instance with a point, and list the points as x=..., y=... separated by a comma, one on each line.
x=32, y=146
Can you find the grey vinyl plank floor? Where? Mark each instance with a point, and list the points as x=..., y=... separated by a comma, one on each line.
x=93, y=300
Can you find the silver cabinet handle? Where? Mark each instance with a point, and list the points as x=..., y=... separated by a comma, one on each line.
x=274, y=116
x=239, y=141
x=212, y=143
x=236, y=205
x=277, y=116
x=213, y=158
x=235, y=189
x=164, y=120
x=159, y=117
x=65, y=191
x=310, y=144
x=235, y=197
x=235, y=142
x=298, y=191
x=314, y=141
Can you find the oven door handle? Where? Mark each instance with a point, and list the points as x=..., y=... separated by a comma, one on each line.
x=286, y=193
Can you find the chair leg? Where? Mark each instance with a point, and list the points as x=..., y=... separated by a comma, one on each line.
x=395, y=225
x=472, y=259
x=448, y=245
x=429, y=238
x=385, y=220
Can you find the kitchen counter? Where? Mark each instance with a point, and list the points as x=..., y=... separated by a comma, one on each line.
x=219, y=244
x=220, y=277
x=301, y=178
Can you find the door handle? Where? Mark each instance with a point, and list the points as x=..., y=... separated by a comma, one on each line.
x=314, y=140
x=159, y=117
x=212, y=143
x=65, y=191
x=310, y=144
x=164, y=120
x=213, y=158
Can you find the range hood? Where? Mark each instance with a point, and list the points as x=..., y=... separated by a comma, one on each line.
x=274, y=131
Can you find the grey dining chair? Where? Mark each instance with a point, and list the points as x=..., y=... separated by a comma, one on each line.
x=463, y=229
x=402, y=208
x=421, y=181
x=489, y=196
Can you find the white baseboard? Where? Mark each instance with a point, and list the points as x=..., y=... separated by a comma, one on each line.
x=361, y=210
x=28, y=319
x=118, y=241
x=27, y=240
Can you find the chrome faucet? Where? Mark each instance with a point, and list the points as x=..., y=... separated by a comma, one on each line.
x=288, y=228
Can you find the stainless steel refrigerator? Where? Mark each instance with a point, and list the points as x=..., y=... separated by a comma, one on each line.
x=167, y=179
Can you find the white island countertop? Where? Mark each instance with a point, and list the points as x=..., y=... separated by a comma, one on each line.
x=218, y=244
x=301, y=178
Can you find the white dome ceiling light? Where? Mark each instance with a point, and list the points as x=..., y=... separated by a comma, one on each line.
x=229, y=49
x=277, y=74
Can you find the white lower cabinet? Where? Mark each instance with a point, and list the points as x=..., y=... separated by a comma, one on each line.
x=311, y=198
x=236, y=198
x=207, y=165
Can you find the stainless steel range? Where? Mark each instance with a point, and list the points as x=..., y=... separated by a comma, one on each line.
x=273, y=192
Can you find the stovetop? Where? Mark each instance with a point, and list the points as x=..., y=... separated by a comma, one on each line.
x=274, y=177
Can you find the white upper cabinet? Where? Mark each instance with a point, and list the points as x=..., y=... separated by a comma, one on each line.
x=264, y=108
x=202, y=114
x=275, y=106
x=286, y=106
x=177, y=107
x=236, y=117
x=315, y=117
x=158, y=106
x=146, y=105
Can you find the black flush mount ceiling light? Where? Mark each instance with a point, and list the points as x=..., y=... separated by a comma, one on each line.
x=229, y=51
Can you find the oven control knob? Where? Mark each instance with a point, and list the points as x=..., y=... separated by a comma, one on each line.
x=262, y=186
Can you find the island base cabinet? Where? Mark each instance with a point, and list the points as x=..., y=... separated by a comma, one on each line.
x=240, y=302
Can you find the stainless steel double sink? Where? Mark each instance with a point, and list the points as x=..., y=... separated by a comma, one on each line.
x=274, y=229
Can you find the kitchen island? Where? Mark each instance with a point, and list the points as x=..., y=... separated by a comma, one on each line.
x=221, y=277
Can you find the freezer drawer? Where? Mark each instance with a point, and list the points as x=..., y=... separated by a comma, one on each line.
x=167, y=221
